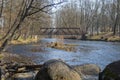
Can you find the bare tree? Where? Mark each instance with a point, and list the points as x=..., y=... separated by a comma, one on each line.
x=28, y=8
x=100, y=16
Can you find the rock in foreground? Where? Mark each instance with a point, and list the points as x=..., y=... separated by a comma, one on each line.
x=111, y=72
x=57, y=70
x=88, y=71
x=10, y=62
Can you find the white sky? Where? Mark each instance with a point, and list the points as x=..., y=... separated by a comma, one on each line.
x=65, y=1
x=57, y=7
x=68, y=0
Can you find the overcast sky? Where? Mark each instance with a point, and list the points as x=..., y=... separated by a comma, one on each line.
x=65, y=1
x=68, y=0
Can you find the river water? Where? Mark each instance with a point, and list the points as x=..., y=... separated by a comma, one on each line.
x=94, y=52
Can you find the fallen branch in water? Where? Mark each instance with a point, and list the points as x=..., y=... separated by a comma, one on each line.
x=23, y=68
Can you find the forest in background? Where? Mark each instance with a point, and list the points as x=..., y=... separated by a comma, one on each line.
x=24, y=18
x=31, y=25
x=93, y=17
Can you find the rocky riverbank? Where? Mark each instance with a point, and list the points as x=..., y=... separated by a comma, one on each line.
x=13, y=67
x=9, y=63
x=59, y=70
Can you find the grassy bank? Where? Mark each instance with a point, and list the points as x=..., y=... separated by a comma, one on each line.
x=62, y=46
x=104, y=37
x=24, y=41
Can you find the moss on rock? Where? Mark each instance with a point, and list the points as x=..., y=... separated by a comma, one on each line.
x=57, y=70
x=111, y=72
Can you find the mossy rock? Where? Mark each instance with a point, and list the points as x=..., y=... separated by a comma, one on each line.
x=57, y=70
x=110, y=75
x=88, y=71
x=111, y=72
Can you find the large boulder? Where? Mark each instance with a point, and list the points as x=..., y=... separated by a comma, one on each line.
x=57, y=70
x=111, y=72
x=88, y=71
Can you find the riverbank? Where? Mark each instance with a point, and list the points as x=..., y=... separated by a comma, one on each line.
x=9, y=63
x=104, y=37
x=92, y=52
x=24, y=41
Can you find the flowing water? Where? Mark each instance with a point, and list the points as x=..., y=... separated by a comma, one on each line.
x=95, y=52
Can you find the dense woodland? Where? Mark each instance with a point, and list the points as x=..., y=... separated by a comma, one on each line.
x=24, y=18
x=92, y=16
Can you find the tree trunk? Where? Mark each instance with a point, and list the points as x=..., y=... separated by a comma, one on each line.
x=21, y=16
x=115, y=25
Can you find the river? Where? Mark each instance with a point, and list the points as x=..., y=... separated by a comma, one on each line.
x=94, y=52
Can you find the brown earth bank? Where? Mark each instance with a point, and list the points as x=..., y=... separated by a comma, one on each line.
x=53, y=70
x=109, y=37
x=50, y=70
x=9, y=63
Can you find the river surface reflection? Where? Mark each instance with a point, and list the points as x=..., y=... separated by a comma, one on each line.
x=95, y=52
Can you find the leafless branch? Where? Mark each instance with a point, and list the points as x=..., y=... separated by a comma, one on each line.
x=41, y=9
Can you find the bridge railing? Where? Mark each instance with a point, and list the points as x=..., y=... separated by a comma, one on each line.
x=60, y=31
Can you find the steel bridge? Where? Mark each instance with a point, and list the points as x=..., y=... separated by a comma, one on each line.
x=60, y=31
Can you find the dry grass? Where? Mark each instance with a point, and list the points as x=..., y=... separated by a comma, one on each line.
x=62, y=46
x=95, y=37
x=114, y=38
x=22, y=41
x=104, y=36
